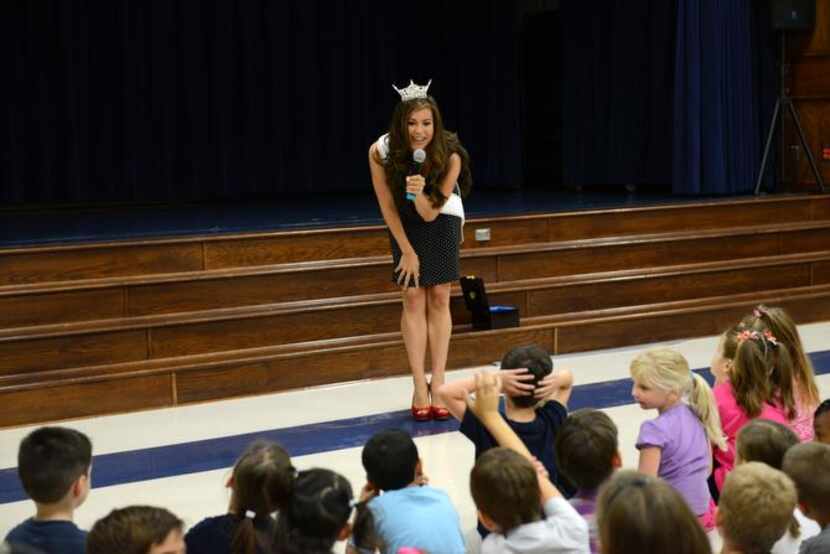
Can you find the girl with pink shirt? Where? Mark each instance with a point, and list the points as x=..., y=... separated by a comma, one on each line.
x=753, y=379
x=804, y=383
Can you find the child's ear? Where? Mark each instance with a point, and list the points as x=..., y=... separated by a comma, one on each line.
x=488, y=523
x=616, y=460
x=229, y=482
x=345, y=532
x=419, y=468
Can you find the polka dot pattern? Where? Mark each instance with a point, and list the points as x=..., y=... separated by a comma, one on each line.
x=436, y=243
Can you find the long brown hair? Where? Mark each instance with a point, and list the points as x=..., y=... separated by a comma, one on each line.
x=442, y=145
x=762, y=368
x=640, y=513
x=262, y=480
x=784, y=328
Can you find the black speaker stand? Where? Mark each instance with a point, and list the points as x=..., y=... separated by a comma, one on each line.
x=783, y=102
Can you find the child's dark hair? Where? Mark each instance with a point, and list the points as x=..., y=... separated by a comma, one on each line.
x=640, y=513
x=131, y=530
x=585, y=446
x=808, y=465
x=390, y=458
x=50, y=459
x=822, y=408
x=505, y=488
x=538, y=363
x=262, y=481
x=317, y=510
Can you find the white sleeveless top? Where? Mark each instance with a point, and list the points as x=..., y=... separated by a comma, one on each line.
x=453, y=205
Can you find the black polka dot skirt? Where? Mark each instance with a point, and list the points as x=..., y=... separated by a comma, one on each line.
x=436, y=243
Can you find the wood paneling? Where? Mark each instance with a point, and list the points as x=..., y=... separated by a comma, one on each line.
x=652, y=290
x=31, y=355
x=91, y=263
x=296, y=247
x=814, y=240
x=821, y=273
x=65, y=307
x=506, y=232
x=51, y=403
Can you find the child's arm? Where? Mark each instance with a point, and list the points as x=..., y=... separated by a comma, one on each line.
x=650, y=460
x=556, y=386
x=455, y=394
x=486, y=408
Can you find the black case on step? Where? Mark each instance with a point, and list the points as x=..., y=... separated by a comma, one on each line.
x=486, y=316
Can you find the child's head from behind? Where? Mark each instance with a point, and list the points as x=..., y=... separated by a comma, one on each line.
x=639, y=513
x=756, y=507
x=317, y=513
x=262, y=479
x=136, y=530
x=261, y=484
x=505, y=489
x=821, y=422
x=390, y=459
x=537, y=361
x=587, y=449
x=762, y=369
x=808, y=465
x=54, y=465
x=762, y=440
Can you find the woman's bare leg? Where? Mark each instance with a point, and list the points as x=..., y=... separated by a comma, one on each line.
x=414, y=331
x=439, y=329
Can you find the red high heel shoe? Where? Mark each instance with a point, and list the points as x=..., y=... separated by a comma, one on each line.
x=439, y=413
x=421, y=413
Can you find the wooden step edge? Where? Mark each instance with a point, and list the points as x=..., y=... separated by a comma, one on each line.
x=373, y=261
x=154, y=241
x=336, y=303
x=347, y=345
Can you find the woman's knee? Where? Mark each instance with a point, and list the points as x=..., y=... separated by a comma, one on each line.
x=414, y=300
x=439, y=297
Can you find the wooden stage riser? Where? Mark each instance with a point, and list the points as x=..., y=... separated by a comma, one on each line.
x=62, y=263
x=119, y=394
x=107, y=347
x=27, y=309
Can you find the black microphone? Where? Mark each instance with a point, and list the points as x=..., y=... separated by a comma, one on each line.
x=418, y=157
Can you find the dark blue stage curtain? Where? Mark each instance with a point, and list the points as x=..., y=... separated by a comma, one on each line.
x=618, y=77
x=119, y=100
x=717, y=133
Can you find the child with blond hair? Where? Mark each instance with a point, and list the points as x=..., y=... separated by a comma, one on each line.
x=755, y=509
x=676, y=446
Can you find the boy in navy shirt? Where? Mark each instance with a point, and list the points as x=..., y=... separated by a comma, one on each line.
x=54, y=466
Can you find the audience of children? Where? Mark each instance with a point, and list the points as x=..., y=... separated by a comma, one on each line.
x=261, y=482
x=804, y=386
x=406, y=511
x=767, y=441
x=675, y=446
x=54, y=465
x=137, y=530
x=755, y=509
x=808, y=465
x=642, y=513
x=754, y=419
x=587, y=453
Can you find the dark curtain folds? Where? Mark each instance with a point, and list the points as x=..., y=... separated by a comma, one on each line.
x=617, y=95
x=723, y=93
x=123, y=100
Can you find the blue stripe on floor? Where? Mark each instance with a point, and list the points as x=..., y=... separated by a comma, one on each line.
x=210, y=454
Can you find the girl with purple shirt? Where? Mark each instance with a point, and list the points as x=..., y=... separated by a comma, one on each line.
x=676, y=446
